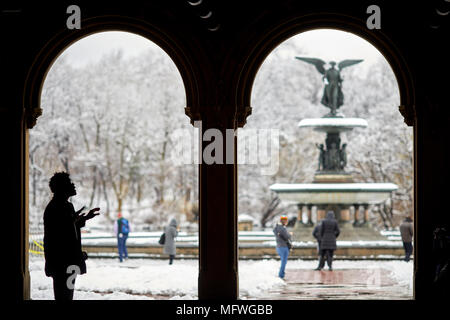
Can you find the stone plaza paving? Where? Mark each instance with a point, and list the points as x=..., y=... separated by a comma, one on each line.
x=346, y=284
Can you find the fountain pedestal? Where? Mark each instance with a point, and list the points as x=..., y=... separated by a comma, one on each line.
x=330, y=177
x=333, y=188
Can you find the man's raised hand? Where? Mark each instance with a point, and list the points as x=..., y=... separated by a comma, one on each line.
x=92, y=213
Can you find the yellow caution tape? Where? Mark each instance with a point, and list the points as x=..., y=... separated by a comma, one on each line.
x=38, y=244
x=36, y=252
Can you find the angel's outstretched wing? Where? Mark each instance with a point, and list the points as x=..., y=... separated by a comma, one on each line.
x=318, y=63
x=347, y=63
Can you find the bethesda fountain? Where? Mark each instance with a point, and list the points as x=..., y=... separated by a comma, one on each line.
x=333, y=188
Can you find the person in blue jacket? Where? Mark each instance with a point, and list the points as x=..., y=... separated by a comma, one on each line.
x=283, y=238
x=122, y=229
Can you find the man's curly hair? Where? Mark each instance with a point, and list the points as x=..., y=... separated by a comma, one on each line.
x=59, y=179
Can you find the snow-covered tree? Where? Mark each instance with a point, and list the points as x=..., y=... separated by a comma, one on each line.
x=110, y=124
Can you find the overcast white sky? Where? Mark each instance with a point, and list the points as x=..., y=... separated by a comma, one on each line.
x=93, y=47
x=326, y=44
x=335, y=45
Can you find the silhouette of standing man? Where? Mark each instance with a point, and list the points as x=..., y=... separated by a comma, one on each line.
x=64, y=259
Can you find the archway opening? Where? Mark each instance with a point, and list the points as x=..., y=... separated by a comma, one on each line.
x=287, y=90
x=112, y=114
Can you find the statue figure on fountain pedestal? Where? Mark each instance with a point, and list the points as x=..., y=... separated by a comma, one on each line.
x=343, y=156
x=332, y=97
x=333, y=158
x=322, y=157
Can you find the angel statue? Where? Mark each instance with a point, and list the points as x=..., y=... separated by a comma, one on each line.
x=333, y=97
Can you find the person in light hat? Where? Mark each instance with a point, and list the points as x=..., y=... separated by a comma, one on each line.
x=171, y=232
x=283, y=238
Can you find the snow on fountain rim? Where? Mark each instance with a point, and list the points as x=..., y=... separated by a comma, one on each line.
x=305, y=187
x=333, y=122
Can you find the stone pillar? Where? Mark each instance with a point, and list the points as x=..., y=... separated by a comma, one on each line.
x=356, y=215
x=309, y=222
x=366, y=214
x=218, y=242
x=345, y=213
x=14, y=131
x=321, y=211
x=299, y=214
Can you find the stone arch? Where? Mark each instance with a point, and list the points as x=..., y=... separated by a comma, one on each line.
x=188, y=60
x=276, y=34
x=272, y=36
x=184, y=59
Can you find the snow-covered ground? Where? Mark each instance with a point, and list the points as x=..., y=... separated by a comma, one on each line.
x=107, y=279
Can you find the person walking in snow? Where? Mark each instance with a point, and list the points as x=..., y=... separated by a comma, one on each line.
x=407, y=232
x=329, y=231
x=171, y=233
x=122, y=229
x=64, y=259
x=283, y=238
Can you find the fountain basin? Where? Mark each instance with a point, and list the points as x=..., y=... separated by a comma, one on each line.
x=333, y=124
x=334, y=193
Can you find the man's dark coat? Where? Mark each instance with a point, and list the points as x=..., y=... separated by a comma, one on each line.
x=62, y=238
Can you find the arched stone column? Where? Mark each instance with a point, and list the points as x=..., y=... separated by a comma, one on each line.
x=218, y=241
x=13, y=126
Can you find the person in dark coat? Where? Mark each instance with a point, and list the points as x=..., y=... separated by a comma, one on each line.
x=407, y=232
x=283, y=238
x=316, y=235
x=329, y=231
x=171, y=232
x=64, y=259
